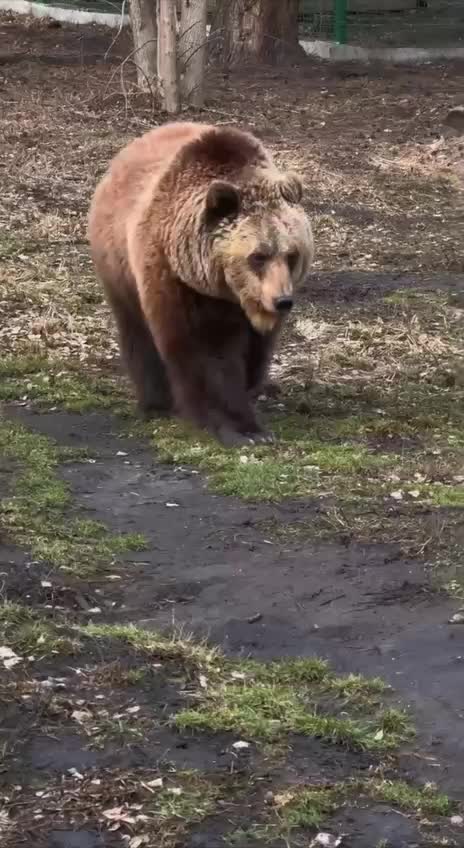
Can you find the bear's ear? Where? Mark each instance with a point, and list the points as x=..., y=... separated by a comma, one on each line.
x=291, y=188
x=222, y=201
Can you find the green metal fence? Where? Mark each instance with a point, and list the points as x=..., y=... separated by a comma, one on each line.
x=368, y=23
x=385, y=23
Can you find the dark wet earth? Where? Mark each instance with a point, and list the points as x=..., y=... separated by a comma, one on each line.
x=210, y=567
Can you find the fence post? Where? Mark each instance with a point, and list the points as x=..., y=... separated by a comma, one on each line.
x=340, y=21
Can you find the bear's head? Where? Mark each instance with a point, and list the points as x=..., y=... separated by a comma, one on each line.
x=261, y=244
x=236, y=225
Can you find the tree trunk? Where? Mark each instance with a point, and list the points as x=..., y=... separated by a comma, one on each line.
x=143, y=23
x=192, y=51
x=167, y=56
x=260, y=30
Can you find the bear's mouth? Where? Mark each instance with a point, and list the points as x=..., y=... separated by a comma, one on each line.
x=262, y=320
x=265, y=322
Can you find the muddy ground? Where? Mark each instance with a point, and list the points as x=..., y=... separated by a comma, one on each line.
x=207, y=568
x=343, y=542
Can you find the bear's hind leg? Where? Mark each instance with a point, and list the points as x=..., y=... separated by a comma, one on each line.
x=141, y=358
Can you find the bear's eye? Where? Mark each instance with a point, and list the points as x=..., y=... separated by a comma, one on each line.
x=292, y=260
x=258, y=259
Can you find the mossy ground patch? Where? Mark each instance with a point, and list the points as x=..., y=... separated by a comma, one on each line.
x=37, y=514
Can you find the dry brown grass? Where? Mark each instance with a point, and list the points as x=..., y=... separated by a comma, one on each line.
x=383, y=192
x=416, y=341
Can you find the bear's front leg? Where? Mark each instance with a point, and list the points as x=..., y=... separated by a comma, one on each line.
x=208, y=379
x=228, y=385
x=259, y=355
x=212, y=395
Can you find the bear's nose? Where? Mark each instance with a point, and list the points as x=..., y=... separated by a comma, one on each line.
x=283, y=304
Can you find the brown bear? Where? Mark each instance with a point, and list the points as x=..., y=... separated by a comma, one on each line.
x=199, y=241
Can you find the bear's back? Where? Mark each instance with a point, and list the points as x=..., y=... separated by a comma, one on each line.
x=147, y=156
x=134, y=168
x=138, y=164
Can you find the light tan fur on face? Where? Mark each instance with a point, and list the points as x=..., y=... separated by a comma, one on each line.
x=285, y=229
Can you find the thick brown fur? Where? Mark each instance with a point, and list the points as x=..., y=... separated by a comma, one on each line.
x=198, y=240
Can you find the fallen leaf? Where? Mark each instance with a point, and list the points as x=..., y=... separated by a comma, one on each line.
x=240, y=745
x=326, y=840
x=75, y=773
x=10, y=659
x=52, y=683
x=137, y=841
x=153, y=784
x=117, y=814
x=6, y=653
x=457, y=618
x=81, y=716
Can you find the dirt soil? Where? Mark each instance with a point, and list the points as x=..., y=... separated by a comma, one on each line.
x=384, y=189
x=365, y=608
x=209, y=569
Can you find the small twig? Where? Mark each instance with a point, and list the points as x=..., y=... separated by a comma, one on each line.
x=121, y=24
x=128, y=58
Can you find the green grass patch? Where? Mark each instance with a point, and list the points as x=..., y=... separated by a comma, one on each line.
x=192, y=805
x=303, y=808
x=27, y=633
x=266, y=701
x=115, y=675
x=329, y=452
x=300, y=463
x=313, y=671
x=272, y=701
x=179, y=648
x=267, y=712
x=307, y=809
x=425, y=801
x=49, y=382
x=36, y=514
x=450, y=496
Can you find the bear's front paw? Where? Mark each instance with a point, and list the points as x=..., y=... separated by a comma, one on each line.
x=148, y=413
x=230, y=438
x=261, y=438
